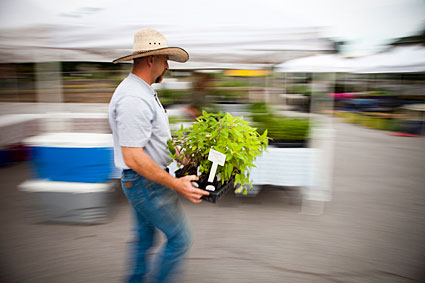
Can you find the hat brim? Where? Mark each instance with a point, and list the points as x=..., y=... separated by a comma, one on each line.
x=176, y=54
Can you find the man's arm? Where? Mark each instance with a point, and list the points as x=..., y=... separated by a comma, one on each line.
x=139, y=161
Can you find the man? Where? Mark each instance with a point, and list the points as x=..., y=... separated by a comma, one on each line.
x=140, y=130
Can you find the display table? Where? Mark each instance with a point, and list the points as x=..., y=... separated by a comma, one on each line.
x=292, y=167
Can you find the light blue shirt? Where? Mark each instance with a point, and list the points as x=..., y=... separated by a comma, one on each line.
x=137, y=119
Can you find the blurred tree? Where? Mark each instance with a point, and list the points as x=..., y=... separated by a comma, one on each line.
x=418, y=38
x=339, y=46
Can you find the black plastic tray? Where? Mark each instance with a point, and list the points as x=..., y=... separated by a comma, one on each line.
x=288, y=143
x=220, y=191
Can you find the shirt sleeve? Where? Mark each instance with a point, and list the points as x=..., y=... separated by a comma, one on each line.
x=134, y=118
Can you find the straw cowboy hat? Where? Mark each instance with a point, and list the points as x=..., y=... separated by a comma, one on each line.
x=149, y=42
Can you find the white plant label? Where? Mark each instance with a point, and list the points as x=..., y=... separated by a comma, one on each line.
x=210, y=188
x=217, y=158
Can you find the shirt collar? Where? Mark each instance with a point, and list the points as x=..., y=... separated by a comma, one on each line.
x=145, y=84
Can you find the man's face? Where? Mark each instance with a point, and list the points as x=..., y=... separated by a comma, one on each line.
x=160, y=67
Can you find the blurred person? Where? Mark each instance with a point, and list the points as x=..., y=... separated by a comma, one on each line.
x=199, y=95
x=140, y=130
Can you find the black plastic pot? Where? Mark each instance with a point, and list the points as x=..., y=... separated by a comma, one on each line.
x=220, y=189
x=288, y=143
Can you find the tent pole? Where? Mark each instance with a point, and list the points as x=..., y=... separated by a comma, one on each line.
x=284, y=91
x=15, y=79
x=266, y=89
x=49, y=82
x=322, y=140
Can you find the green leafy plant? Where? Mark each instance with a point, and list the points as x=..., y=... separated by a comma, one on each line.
x=375, y=93
x=170, y=96
x=222, y=132
x=299, y=89
x=234, y=83
x=260, y=113
x=287, y=128
x=224, y=95
x=279, y=127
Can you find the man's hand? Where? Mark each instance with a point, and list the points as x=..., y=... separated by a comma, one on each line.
x=186, y=189
x=139, y=161
x=185, y=160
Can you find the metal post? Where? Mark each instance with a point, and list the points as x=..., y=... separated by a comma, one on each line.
x=49, y=82
x=322, y=144
x=266, y=89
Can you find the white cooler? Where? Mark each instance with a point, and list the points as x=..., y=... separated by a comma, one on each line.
x=71, y=202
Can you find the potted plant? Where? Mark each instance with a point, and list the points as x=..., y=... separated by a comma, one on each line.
x=283, y=131
x=222, y=133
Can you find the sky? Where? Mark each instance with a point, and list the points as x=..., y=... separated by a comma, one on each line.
x=366, y=25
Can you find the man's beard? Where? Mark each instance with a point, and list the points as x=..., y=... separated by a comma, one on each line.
x=160, y=78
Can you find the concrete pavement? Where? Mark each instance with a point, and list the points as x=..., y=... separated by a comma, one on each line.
x=372, y=231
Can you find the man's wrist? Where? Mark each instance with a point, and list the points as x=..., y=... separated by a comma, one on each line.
x=174, y=184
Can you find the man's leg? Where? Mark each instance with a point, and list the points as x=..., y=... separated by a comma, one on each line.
x=179, y=241
x=133, y=187
x=163, y=210
x=144, y=234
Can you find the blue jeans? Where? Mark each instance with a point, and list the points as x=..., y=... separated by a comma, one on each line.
x=156, y=206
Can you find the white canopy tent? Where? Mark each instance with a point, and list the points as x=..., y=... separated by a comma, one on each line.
x=221, y=33
x=402, y=59
x=326, y=63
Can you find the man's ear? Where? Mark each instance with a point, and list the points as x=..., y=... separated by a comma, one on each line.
x=150, y=60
